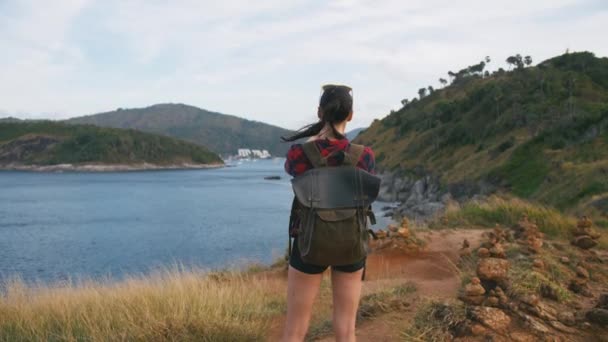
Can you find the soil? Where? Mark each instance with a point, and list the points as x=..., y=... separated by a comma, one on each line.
x=433, y=271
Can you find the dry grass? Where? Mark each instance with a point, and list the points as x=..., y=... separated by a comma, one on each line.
x=507, y=211
x=172, y=305
x=434, y=320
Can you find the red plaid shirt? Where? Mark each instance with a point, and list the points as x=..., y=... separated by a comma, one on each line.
x=297, y=162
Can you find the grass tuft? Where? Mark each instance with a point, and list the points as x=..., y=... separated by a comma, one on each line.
x=172, y=305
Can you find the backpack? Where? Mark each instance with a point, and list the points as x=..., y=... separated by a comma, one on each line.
x=332, y=205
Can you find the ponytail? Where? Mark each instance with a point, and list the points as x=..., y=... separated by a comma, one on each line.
x=336, y=103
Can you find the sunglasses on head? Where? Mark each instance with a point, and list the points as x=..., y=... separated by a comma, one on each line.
x=329, y=88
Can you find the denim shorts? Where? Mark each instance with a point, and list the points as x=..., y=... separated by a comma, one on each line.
x=296, y=262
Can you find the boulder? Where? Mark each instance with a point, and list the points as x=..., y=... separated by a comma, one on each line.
x=598, y=316
x=494, y=269
x=492, y=318
x=603, y=302
x=567, y=318
x=584, y=242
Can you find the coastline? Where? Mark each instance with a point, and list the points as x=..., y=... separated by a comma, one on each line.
x=91, y=167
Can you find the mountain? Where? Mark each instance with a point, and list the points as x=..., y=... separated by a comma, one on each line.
x=52, y=143
x=9, y=119
x=221, y=133
x=538, y=132
x=352, y=134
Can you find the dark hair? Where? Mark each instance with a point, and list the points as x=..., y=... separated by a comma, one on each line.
x=336, y=103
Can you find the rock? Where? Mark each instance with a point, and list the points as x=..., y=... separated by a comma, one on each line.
x=579, y=285
x=474, y=288
x=603, y=302
x=478, y=330
x=465, y=243
x=403, y=232
x=538, y=263
x=405, y=223
x=530, y=300
x=381, y=234
x=598, y=316
x=567, y=318
x=584, y=242
x=492, y=318
x=582, y=272
x=492, y=301
x=493, y=269
x=536, y=326
x=392, y=228
x=465, y=252
x=520, y=336
x=534, y=244
x=474, y=292
x=501, y=296
x=548, y=291
x=564, y=260
x=497, y=251
x=483, y=253
x=584, y=222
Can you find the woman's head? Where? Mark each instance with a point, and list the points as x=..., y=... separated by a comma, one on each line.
x=335, y=106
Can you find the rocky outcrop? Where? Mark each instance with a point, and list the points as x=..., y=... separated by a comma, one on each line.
x=420, y=193
x=419, y=197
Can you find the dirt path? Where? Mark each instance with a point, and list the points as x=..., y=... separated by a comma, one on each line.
x=433, y=271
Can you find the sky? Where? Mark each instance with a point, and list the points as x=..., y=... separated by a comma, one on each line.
x=266, y=60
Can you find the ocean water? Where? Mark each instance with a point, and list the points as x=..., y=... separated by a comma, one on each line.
x=58, y=226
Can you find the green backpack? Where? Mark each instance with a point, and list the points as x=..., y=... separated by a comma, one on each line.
x=332, y=205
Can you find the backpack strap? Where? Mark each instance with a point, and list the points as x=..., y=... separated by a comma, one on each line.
x=352, y=156
x=313, y=154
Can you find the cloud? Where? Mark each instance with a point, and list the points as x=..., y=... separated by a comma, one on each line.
x=267, y=61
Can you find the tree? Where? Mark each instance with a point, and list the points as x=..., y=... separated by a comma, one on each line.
x=452, y=76
x=422, y=92
x=431, y=89
x=443, y=81
x=404, y=102
x=528, y=60
x=512, y=61
x=486, y=74
x=520, y=61
x=487, y=60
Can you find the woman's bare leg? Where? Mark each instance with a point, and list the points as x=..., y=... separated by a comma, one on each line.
x=302, y=288
x=346, y=289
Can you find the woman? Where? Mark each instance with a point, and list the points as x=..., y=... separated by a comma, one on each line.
x=335, y=110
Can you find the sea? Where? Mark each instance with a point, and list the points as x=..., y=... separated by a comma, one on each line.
x=72, y=226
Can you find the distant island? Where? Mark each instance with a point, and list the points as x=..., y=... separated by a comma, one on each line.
x=53, y=146
x=221, y=133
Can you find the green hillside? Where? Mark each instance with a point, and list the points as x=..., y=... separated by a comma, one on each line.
x=219, y=132
x=540, y=132
x=50, y=143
